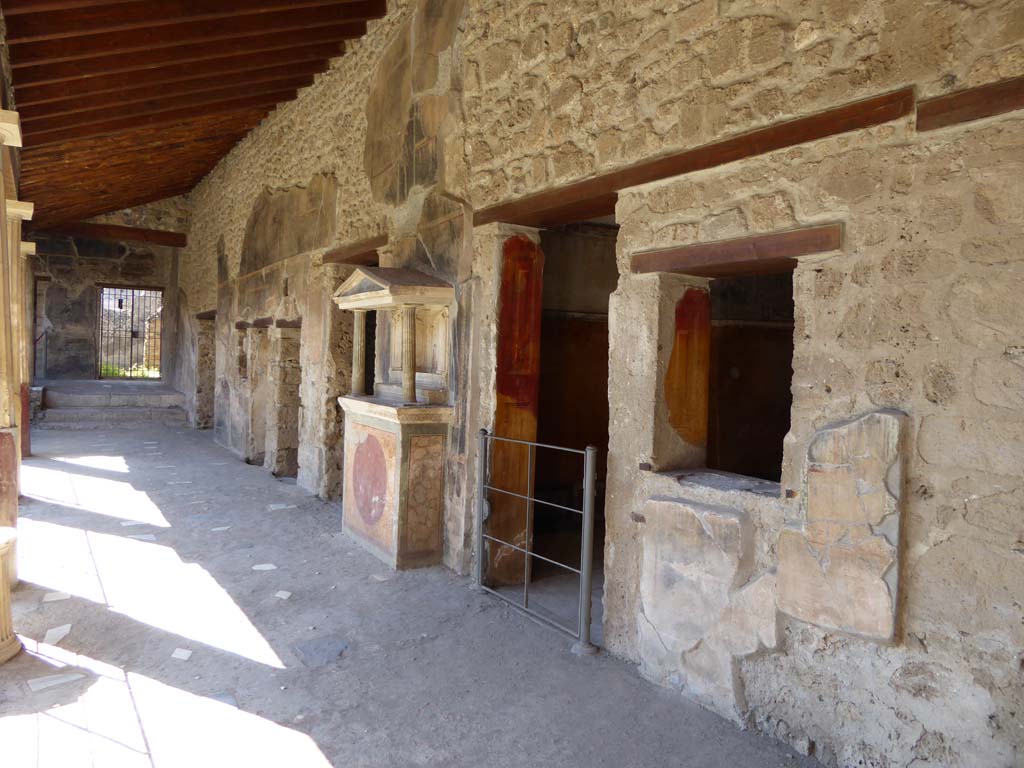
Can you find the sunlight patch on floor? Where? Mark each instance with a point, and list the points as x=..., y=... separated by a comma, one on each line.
x=128, y=719
x=104, y=463
x=101, y=496
x=58, y=558
x=147, y=582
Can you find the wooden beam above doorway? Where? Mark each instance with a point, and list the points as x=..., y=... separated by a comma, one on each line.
x=596, y=197
x=971, y=104
x=362, y=253
x=119, y=233
x=755, y=254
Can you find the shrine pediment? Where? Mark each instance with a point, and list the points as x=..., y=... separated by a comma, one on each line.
x=390, y=287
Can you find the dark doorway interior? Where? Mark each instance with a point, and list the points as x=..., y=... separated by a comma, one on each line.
x=129, y=332
x=580, y=274
x=751, y=373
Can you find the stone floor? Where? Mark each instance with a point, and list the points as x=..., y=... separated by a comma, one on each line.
x=154, y=544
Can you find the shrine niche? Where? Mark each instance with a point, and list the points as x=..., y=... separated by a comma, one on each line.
x=395, y=435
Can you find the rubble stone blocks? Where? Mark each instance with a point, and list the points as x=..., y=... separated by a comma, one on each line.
x=10, y=645
x=701, y=610
x=282, y=441
x=840, y=569
x=205, y=374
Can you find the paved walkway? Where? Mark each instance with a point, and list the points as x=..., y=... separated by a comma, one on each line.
x=180, y=608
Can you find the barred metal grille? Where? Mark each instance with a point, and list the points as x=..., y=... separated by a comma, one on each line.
x=485, y=540
x=129, y=344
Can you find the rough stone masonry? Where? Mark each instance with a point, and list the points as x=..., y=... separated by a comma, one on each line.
x=869, y=607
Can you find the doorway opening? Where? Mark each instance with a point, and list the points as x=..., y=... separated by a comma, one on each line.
x=285, y=407
x=580, y=274
x=552, y=383
x=257, y=386
x=130, y=332
x=751, y=373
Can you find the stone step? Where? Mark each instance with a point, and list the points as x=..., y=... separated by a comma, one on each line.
x=59, y=398
x=122, y=416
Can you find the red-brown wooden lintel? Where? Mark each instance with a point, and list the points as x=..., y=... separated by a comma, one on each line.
x=595, y=197
x=754, y=254
x=971, y=104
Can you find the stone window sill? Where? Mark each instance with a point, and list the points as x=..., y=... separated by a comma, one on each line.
x=725, y=482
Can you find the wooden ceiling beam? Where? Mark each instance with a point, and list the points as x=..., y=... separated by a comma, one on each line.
x=147, y=146
x=140, y=99
x=122, y=125
x=17, y=7
x=125, y=16
x=193, y=132
x=312, y=59
x=116, y=233
x=97, y=109
x=176, y=35
x=185, y=54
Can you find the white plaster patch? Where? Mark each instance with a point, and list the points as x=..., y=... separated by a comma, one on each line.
x=55, y=635
x=265, y=567
x=276, y=507
x=181, y=654
x=53, y=597
x=143, y=537
x=283, y=594
x=50, y=681
x=221, y=528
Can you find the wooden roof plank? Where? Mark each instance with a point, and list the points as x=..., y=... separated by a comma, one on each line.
x=121, y=125
x=314, y=58
x=183, y=55
x=98, y=109
x=15, y=7
x=125, y=16
x=175, y=35
x=142, y=98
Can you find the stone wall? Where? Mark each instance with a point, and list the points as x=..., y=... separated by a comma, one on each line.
x=70, y=271
x=293, y=291
x=553, y=96
x=896, y=547
x=434, y=114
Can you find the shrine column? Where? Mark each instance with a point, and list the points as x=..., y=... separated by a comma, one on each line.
x=358, y=353
x=409, y=354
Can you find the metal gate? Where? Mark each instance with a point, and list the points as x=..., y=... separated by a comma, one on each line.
x=581, y=633
x=130, y=330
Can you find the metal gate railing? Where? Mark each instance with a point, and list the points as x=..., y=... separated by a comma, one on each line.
x=129, y=333
x=585, y=572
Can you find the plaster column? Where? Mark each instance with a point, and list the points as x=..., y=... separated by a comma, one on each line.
x=21, y=326
x=409, y=354
x=359, y=352
x=10, y=448
x=10, y=645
